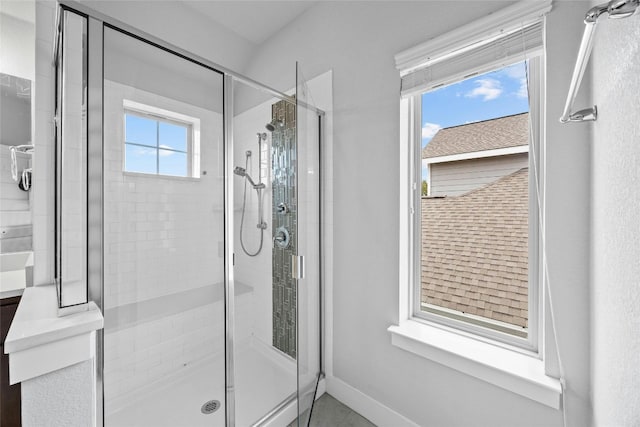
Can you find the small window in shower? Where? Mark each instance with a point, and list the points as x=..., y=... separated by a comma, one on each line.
x=160, y=142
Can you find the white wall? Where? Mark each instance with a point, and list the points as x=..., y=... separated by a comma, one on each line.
x=359, y=45
x=43, y=191
x=567, y=212
x=456, y=178
x=254, y=271
x=615, y=243
x=17, y=43
x=162, y=238
x=162, y=234
x=62, y=398
x=358, y=41
x=182, y=26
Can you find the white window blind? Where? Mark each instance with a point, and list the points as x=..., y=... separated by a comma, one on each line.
x=480, y=56
x=510, y=34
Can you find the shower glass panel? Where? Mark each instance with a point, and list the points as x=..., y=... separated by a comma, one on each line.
x=276, y=200
x=264, y=360
x=164, y=335
x=71, y=158
x=307, y=271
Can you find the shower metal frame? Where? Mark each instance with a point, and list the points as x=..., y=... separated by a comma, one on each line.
x=96, y=22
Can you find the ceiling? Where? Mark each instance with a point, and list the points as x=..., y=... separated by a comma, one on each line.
x=255, y=21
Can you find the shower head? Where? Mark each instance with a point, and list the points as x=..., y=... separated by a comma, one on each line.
x=622, y=8
x=274, y=124
x=243, y=173
x=616, y=9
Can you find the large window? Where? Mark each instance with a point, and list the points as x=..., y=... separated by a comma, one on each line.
x=473, y=241
x=159, y=142
x=474, y=122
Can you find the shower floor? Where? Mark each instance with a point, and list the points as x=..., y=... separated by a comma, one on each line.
x=264, y=378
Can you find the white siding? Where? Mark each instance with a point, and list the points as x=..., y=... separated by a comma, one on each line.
x=456, y=178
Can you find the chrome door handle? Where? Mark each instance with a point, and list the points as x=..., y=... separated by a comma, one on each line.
x=297, y=267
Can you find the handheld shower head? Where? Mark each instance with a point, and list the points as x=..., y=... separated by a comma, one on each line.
x=243, y=173
x=274, y=125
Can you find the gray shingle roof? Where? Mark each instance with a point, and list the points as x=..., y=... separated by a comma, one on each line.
x=503, y=132
x=474, y=250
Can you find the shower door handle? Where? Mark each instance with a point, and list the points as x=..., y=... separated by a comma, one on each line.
x=297, y=267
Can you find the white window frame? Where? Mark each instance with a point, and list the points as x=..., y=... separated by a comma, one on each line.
x=161, y=115
x=476, y=325
x=516, y=366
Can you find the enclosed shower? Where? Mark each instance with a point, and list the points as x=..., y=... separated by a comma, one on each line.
x=198, y=232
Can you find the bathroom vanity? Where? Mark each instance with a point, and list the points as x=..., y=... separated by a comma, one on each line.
x=48, y=353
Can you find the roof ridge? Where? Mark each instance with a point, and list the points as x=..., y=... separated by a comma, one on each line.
x=492, y=183
x=486, y=120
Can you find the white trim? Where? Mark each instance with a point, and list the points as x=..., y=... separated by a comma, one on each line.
x=511, y=370
x=405, y=273
x=408, y=164
x=365, y=405
x=481, y=30
x=477, y=154
x=43, y=359
x=161, y=113
x=289, y=413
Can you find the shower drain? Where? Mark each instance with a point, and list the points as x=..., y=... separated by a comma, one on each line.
x=210, y=407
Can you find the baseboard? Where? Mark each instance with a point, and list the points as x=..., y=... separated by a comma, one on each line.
x=365, y=405
x=290, y=412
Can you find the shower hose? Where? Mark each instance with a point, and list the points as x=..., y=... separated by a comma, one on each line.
x=260, y=219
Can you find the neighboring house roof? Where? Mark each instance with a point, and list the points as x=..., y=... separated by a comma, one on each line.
x=503, y=132
x=474, y=250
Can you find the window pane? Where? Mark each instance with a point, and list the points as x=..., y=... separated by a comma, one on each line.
x=475, y=210
x=140, y=130
x=140, y=159
x=173, y=163
x=173, y=136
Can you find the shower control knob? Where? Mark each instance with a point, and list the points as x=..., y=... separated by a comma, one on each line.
x=281, y=238
x=282, y=208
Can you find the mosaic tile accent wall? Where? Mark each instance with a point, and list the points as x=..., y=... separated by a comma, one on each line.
x=283, y=158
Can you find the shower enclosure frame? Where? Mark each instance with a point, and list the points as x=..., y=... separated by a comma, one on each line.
x=96, y=23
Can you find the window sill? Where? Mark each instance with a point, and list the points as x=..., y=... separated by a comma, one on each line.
x=519, y=373
x=160, y=176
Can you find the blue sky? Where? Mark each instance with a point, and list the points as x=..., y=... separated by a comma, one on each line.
x=487, y=96
x=162, y=147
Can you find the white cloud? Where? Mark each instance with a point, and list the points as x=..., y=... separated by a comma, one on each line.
x=487, y=88
x=141, y=151
x=523, y=91
x=515, y=71
x=518, y=73
x=165, y=153
x=430, y=129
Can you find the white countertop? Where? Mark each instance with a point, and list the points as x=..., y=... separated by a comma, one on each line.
x=12, y=273
x=11, y=292
x=36, y=322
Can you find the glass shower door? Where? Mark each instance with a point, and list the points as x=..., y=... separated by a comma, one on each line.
x=306, y=263
x=164, y=312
